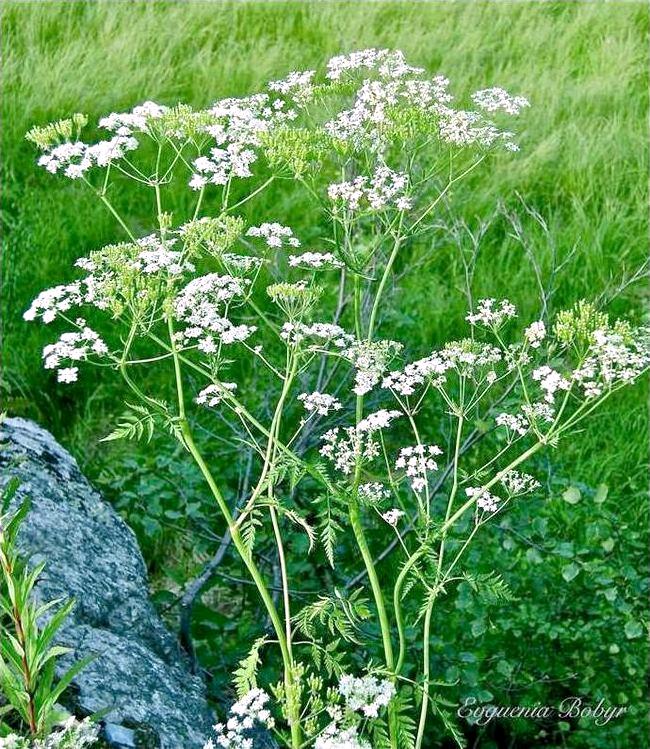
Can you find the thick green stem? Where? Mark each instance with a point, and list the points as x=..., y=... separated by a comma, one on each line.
x=426, y=672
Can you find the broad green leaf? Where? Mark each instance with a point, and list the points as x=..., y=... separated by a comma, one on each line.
x=572, y=495
x=633, y=629
x=608, y=544
x=570, y=571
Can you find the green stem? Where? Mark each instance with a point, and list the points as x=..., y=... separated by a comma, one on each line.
x=382, y=283
x=397, y=605
x=240, y=546
x=426, y=657
x=359, y=535
x=463, y=508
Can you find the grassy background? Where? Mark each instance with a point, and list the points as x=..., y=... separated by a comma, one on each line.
x=583, y=166
x=583, y=163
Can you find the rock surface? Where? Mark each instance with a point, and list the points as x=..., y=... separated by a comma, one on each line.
x=139, y=673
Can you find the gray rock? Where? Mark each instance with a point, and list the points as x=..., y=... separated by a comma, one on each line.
x=119, y=737
x=139, y=672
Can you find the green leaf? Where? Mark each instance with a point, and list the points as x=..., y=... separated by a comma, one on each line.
x=8, y=493
x=137, y=423
x=608, y=544
x=633, y=629
x=66, y=679
x=478, y=627
x=570, y=571
x=245, y=676
x=572, y=495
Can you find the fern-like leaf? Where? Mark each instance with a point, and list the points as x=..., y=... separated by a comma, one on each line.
x=245, y=675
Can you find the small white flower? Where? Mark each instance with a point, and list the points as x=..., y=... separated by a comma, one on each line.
x=68, y=374
x=372, y=493
x=516, y=483
x=535, y=334
x=321, y=403
x=392, y=517
x=490, y=316
x=274, y=234
x=495, y=99
x=212, y=395
x=315, y=260
x=366, y=694
x=483, y=498
x=417, y=462
x=550, y=381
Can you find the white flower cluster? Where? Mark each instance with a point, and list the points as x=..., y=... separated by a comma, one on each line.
x=243, y=120
x=294, y=333
x=414, y=374
x=538, y=412
x=202, y=305
x=335, y=737
x=236, y=263
x=365, y=694
x=392, y=517
x=237, y=128
x=514, y=423
x=297, y=85
x=498, y=99
x=535, y=333
x=492, y=316
x=212, y=395
x=463, y=128
x=343, y=446
x=234, y=160
x=157, y=256
x=385, y=187
x=372, y=492
x=531, y=415
x=51, y=302
x=550, y=381
x=321, y=403
x=370, y=115
x=483, y=498
x=274, y=234
x=244, y=714
x=610, y=361
x=72, y=734
x=370, y=359
x=517, y=483
x=315, y=260
x=388, y=63
x=417, y=461
x=137, y=120
x=381, y=419
x=75, y=159
x=467, y=358
x=71, y=347
x=399, y=85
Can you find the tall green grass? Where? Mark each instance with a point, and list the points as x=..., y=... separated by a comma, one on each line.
x=583, y=163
